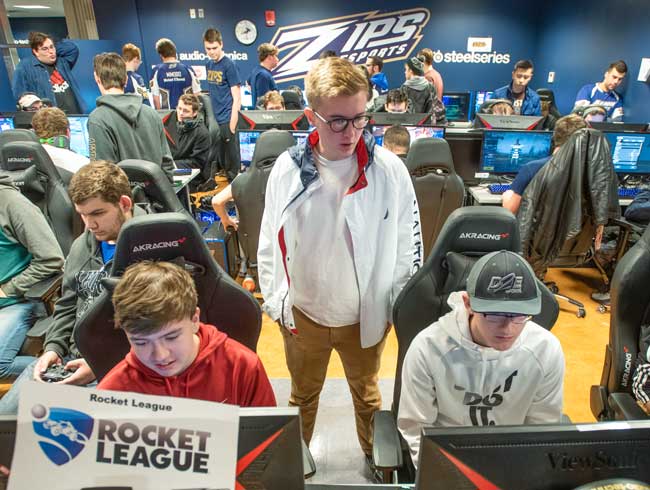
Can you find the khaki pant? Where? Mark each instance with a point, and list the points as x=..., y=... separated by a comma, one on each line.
x=308, y=354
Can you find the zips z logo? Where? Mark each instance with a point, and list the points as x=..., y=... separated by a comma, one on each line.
x=391, y=35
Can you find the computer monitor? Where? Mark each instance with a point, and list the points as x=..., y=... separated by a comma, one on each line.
x=495, y=121
x=269, y=448
x=287, y=120
x=6, y=123
x=619, y=127
x=416, y=132
x=79, y=140
x=503, y=152
x=457, y=106
x=248, y=139
x=480, y=96
x=630, y=152
x=399, y=119
x=534, y=457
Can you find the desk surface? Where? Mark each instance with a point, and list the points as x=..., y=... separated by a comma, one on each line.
x=483, y=197
x=181, y=181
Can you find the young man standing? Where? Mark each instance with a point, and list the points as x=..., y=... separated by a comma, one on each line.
x=122, y=127
x=223, y=85
x=374, y=66
x=101, y=195
x=48, y=73
x=604, y=93
x=135, y=84
x=172, y=352
x=485, y=362
x=261, y=79
x=525, y=100
x=340, y=237
x=430, y=73
x=171, y=78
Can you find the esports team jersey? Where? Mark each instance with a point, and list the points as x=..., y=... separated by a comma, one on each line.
x=135, y=84
x=65, y=99
x=222, y=75
x=592, y=95
x=171, y=80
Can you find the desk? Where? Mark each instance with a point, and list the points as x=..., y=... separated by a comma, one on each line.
x=481, y=196
x=180, y=185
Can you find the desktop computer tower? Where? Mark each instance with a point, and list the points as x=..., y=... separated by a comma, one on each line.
x=223, y=247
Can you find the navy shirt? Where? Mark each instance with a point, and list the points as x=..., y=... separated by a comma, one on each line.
x=526, y=174
x=261, y=82
x=171, y=79
x=221, y=76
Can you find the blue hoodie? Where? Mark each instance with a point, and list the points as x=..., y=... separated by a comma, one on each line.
x=380, y=82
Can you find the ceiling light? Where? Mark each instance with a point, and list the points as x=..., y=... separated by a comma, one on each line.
x=31, y=7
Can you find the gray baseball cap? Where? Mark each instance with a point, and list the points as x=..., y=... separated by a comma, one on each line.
x=503, y=282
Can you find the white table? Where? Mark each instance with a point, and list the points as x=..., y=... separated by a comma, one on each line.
x=180, y=186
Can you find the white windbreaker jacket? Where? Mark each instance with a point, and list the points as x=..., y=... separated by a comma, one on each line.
x=384, y=221
x=448, y=380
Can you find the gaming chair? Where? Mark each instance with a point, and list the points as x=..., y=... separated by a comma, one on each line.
x=468, y=234
x=249, y=191
x=630, y=310
x=438, y=188
x=151, y=188
x=171, y=237
x=213, y=129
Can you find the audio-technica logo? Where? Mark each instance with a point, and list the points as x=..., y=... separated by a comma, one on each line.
x=62, y=433
x=481, y=58
x=197, y=55
x=391, y=35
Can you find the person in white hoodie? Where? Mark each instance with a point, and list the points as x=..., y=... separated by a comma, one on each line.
x=485, y=362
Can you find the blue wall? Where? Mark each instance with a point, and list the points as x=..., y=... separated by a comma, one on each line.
x=580, y=40
x=54, y=26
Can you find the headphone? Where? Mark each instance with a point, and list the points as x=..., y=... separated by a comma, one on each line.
x=486, y=107
x=586, y=110
x=57, y=141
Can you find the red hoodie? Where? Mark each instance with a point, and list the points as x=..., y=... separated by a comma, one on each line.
x=224, y=371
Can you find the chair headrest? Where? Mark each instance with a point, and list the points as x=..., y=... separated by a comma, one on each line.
x=153, y=181
x=430, y=152
x=478, y=229
x=546, y=94
x=20, y=155
x=292, y=101
x=163, y=236
x=270, y=145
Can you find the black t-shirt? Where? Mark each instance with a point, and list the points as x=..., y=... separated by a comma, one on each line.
x=65, y=99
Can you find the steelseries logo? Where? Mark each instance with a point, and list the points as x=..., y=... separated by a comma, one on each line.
x=155, y=246
x=483, y=236
x=480, y=58
x=391, y=35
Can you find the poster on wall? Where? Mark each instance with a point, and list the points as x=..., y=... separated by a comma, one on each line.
x=71, y=438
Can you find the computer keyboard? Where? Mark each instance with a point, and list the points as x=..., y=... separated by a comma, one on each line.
x=629, y=192
x=498, y=188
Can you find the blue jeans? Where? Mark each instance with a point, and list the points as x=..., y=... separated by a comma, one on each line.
x=15, y=321
x=9, y=402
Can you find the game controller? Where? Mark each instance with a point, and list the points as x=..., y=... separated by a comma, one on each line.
x=56, y=372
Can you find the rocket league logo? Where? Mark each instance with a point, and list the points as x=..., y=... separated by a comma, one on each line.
x=62, y=433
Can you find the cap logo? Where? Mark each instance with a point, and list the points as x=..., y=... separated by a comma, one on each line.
x=510, y=284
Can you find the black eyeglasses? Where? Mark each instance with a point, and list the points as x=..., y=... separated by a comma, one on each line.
x=502, y=318
x=339, y=124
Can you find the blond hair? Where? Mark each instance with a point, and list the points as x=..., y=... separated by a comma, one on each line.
x=151, y=295
x=99, y=179
x=265, y=50
x=272, y=97
x=333, y=77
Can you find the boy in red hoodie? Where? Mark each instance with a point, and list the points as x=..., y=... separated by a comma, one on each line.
x=172, y=353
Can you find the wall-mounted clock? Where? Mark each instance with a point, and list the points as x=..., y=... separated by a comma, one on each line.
x=246, y=32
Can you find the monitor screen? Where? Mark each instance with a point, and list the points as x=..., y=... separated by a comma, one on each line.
x=6, y=123
x=415, y=132
x=457, y=106
x=534, y=457
x=399, y=118
x=630, y=152
x=503, y=152
x=494, y=121
x=480, y=97
x=260, y=120
x=79, y=140
x=248, y=139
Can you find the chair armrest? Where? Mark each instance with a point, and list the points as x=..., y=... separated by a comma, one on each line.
x=386, y=446
x=45, y=288
x=625, y=407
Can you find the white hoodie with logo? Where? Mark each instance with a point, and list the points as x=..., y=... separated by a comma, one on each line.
x=448, y=380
